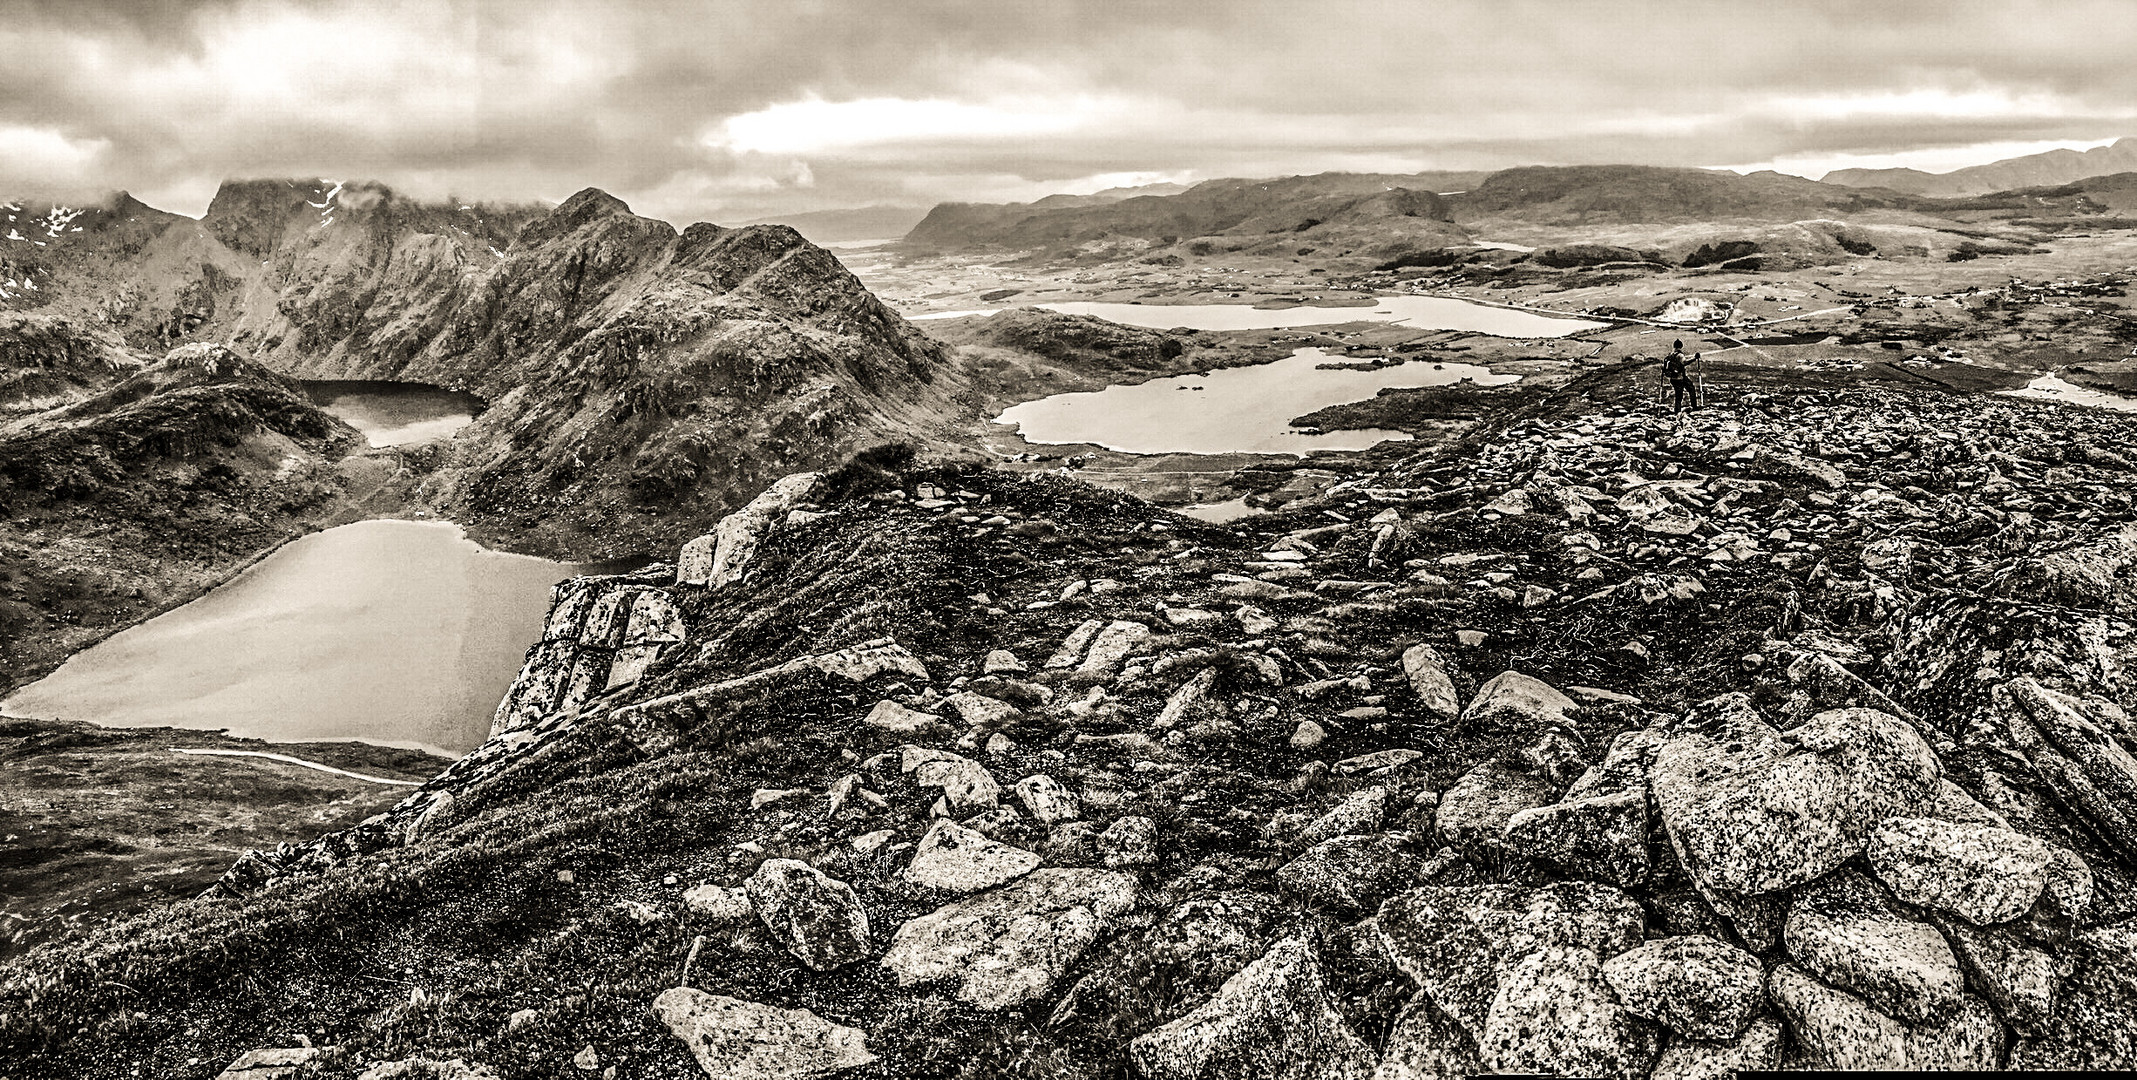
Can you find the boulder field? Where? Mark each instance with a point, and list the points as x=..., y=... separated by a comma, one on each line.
x=1792, y=734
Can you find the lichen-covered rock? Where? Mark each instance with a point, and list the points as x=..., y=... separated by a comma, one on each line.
x=2071, y=746
x=1981, y=873
x=1758, y=1049
x=734, y=1039
x=1426, y=1044
x=898, y=720
x=1473, y=814
x=1359, y=813
x=957, y=859
x=1048, y=802
x=815, y=916
x=966, y=784
x=1847, y=933
x=1427, y=672
x=1696, y=986
x=1516, y=704
x=1748, y=812
x=1602, y=838
x=2094, y=1026
x=1837, y=1030
x=2021, y=981
x=1010, y=944
x=1112, y=645
x=1454, y=943
x=1272, y=1021
x=1353, y=873
x=1129, y=842
x=1554, y=1014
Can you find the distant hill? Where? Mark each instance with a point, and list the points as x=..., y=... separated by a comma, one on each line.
x=855, y=223
x=2033, y=170
x=1323, y=210
x=1642, y=194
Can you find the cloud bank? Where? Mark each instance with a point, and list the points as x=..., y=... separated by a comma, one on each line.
x=728, y=111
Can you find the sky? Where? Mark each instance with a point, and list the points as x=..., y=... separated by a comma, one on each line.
x=731, y=111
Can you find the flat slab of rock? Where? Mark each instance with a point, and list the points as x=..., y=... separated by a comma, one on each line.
x=1352, y=874
x=1696, y=986
x=1271, y=1021
x=1113, y=645
x=897, y=719
x=1837, y=1030
x=815, y=916
x=734, y=1039
x=960, y=860
x=270, y=1063
x=1513, y=702
x=1010, y=944
x=1048, y=801
x=1980, y=873
x=966, y=784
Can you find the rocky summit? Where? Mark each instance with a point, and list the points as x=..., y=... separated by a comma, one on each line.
x=1790, y=733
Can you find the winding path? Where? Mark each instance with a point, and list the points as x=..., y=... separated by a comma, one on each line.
x=300, y=761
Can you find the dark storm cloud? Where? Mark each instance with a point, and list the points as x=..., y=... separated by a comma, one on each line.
x=691, y=108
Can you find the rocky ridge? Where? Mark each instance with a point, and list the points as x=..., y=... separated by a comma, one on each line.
x=631, y=369
x=1789, y=734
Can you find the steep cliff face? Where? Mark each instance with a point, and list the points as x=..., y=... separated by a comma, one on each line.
x=635, y=372
x=48, y=361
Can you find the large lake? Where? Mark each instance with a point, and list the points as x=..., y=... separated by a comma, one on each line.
x=1423, y=312
x=400, y=633
x=1231, y=410
x=395, y=414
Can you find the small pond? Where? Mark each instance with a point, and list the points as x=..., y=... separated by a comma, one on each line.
x=1230, y=410
x=1422, y=312
x=395, y=413
x=2054, y=388
x=400, y=633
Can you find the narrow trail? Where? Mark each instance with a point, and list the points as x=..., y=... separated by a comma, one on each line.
x=285, y=758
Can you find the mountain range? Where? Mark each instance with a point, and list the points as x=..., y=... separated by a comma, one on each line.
x=2033, y=170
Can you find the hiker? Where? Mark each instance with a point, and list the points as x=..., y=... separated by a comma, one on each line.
x=1680, y=380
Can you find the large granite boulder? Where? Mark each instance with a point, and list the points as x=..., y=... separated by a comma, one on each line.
x=1978, y=872
x=1512, y=703
x=956, y=859
x=1752, y=811
x=1846, y=932
x=1352, y=874
x=1837, y=1030
x=1758, y=1049
x=1426, y=1044
x=1554, y=1014
x=1456, y=943
x=1696, y=986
